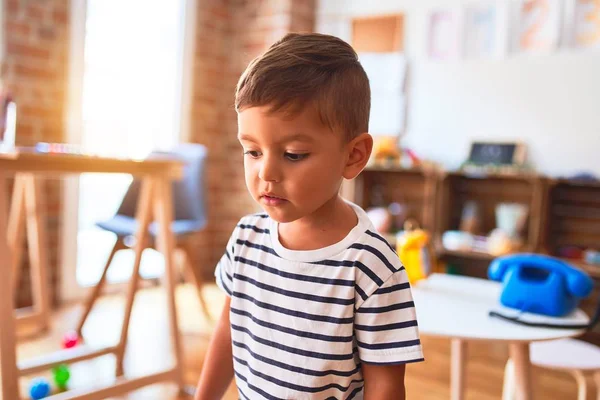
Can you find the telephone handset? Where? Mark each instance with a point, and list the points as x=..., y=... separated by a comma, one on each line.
x=541, y=284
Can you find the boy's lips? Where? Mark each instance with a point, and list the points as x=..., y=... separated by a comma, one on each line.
x=271, y=199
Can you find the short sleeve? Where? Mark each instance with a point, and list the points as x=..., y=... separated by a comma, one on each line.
x=385, y=325
x=224, y=269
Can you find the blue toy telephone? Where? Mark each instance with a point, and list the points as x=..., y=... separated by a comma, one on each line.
x=540, y=284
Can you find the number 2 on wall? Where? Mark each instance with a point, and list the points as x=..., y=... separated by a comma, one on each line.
x=539, y=11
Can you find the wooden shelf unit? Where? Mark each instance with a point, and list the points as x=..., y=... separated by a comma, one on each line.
x=456, y=189
x=561, y=212
x=414, y=189
x=571, y=217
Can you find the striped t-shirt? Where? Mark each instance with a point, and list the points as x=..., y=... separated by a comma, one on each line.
x=302, y=322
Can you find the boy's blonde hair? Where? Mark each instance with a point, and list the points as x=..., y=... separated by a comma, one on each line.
x=310, y=69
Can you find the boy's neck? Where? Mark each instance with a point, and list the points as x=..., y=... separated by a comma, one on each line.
x=328, y=225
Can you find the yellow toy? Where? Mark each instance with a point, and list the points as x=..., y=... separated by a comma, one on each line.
x=385, y=150
x=413, y=248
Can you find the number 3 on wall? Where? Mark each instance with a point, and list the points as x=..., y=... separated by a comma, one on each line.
x=589, y=17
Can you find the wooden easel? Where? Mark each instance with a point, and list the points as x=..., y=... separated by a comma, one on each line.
x=155, y=199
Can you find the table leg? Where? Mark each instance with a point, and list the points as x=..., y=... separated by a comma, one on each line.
x=38, y=256
x=582, y=384
x=143, y=216
x=163, y=211
x=9, y=377
x=519, y=353
x=597, y=381
x=457, y=369
x=508, y=387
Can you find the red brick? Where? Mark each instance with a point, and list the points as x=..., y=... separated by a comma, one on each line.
x=39, y=72
x=60, y=16
x=12, y=7
x=47, y=33
x=19, y=49
x=19, y=28
x=36, y=12
x=28, y=111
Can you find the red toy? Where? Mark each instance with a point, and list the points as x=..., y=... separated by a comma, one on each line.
x=70, y=339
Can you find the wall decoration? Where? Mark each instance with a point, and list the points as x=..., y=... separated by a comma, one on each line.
x=587, y=23
x=445, y=35
x=481, y=31
x=539, y=25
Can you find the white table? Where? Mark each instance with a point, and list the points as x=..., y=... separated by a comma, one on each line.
x=457, y=307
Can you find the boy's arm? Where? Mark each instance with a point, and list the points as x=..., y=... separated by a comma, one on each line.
x=217, y=370
x=384, y=382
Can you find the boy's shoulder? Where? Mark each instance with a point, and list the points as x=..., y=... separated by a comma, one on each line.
x=376, y=262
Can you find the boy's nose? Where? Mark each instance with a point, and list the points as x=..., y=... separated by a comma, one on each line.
x=269, y=170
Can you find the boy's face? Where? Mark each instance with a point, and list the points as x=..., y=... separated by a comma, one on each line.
x=293, y=165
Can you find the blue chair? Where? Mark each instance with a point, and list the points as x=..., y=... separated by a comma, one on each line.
x=189, y=218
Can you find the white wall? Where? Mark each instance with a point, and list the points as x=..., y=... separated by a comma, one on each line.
x=550, y=102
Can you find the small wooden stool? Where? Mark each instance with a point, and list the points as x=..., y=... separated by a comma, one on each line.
x=570, y=355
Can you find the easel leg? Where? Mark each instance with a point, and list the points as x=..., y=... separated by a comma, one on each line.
x=38, y=256
x=9, y=377
x=143, y=217
x=96, y=290
x=16, y=223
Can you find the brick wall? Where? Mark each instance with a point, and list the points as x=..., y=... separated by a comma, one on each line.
x=35, y=65
x=229, y=34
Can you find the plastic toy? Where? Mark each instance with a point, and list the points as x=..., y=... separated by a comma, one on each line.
x=61, y=376
x=70, y=339
x=39, y=388
x=412, y=247
x=385, y=150
x=540, y=284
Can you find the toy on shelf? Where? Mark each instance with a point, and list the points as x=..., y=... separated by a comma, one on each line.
x=387, y=153
x=592, y=257
x=413, y=246
x=70, y=339
x=39, y=388
x=510, y=221
x=61, y=376
x=388, y=219
x=504, y=239
x=470, y=220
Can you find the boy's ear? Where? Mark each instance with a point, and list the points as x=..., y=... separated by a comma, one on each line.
x=359, y=151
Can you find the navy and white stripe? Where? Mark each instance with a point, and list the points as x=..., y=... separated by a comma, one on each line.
x=302, y=322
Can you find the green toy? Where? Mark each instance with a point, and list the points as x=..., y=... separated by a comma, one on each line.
x=61, y=376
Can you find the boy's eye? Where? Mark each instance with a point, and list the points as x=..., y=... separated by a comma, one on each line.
x=252, y=153
x=295, y=156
